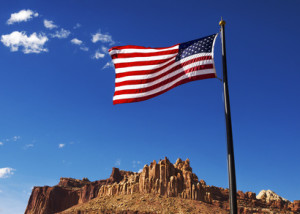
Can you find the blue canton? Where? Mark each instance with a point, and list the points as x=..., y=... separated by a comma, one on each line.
x=196, y=46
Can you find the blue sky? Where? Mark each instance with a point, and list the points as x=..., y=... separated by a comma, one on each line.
x=57, y=116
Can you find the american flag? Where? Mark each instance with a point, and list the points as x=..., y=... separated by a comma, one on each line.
x=143, y=73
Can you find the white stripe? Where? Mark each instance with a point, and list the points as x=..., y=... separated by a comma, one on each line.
x=134, y=50
x=163, y=70
x=139, y=59
x=152, y=75
x=174, y=73
x=151, y=67
x=157, y=90
x=142, y=67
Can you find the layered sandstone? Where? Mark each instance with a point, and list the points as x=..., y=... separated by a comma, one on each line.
x=165, y=179
x=68, y=192
x=160, y=180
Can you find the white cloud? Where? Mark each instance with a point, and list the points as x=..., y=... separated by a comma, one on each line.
x=140, y=170
x=1, y=143
x=118, y=162
x=61, y=145
x=27, y=146
x=135, y=163
x=1, y=191
x=104, y=49
x=6, y=172
x=108, y=65
x=76, y=41
x=77, y=26
x=31, y=44
x=49, y=24
x=105, y=38
x=15, y=138
x=84, y=48
x=62, y=34
x=98, y=55
x=21, y=16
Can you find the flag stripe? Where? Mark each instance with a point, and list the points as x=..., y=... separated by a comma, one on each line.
x=138, y=59
x=145, y=72
x=140, y=83
x=145, y=67
x=140, y=88
x=148, y=75
x=128, y=55
x=139, y=49
x=163, y=87
x=142, y=63
x=146, y=97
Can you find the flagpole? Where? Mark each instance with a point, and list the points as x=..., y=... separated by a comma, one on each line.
x=230, y=153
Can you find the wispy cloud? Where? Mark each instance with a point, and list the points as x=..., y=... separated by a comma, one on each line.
x=77, y=26
x=27, y=146
x=118, y=162
x=61, y=34
x=108, y=65
x=6, y=172
x=76, y=41
x=102, y=37
x=49, y=24
x=61, y=145
x=135, y=163
x=140, y=170
x=12, y=139
x=98, y=55
x=15, y=138
x=21, y=16
x=31, y=44
x=84, y=48
x=104, y=49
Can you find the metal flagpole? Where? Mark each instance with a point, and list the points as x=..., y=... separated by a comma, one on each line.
x=230, y=153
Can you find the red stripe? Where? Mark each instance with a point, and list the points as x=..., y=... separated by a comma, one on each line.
x=145, y=72
x=131, y=100
x=162, y=83
x=136, y=47
x=149, y=80
x=129, y=55
x=142, y=63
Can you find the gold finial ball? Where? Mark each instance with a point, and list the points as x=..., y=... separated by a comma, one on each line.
x=222, y=22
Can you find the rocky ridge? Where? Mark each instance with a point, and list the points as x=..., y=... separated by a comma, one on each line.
x=162, y=179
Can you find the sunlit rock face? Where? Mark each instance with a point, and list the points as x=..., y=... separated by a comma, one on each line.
x=160, y=179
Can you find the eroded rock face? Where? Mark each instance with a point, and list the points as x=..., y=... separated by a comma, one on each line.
x=51, y=199
x=295, y=206
x=69, y=192
x=269, y=196
x=162, y=178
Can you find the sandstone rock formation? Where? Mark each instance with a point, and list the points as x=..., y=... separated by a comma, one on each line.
x=165, y=179
x=68, y=193
x=269, y=195
x=162, y=179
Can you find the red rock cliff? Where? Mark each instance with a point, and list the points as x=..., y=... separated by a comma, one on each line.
x=68, y=192
x=162, y=178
